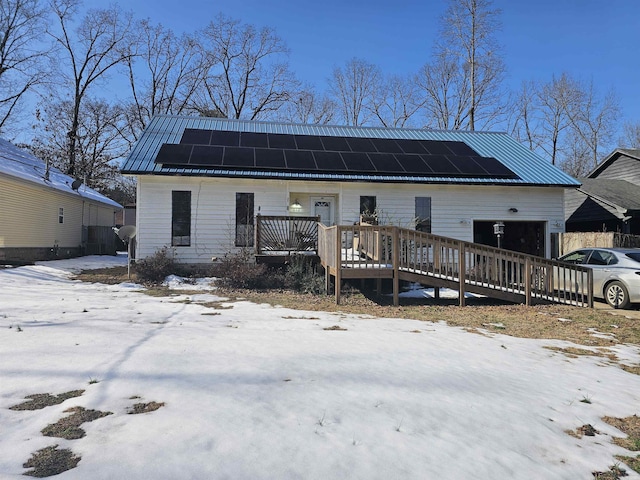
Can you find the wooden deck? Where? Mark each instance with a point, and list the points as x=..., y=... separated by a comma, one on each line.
x=387, y=252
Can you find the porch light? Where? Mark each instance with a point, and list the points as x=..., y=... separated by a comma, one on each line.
x=498, y=231
x=296, y=205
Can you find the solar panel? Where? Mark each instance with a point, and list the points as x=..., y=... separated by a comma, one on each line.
x=467, y=165
x=300, y=160
x=357, y=162
x=385, y=162
x=461, y=148
x=279, y=140
x=440, y=165
x=308, y=142
x=361, y=145
x=435, y=147
x=174, y=154
x=335, y=144
x=411, y=146
x=386, y=145
x=225, y=139
x=270, y=158
x=192, y=136
x=494, y=168
x=413, y=164
x=206, y=155
x=250, y=139
x=199, y=148
x=238, y=157
x=329, y=161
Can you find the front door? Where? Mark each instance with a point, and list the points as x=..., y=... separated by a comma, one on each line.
x=324, y=208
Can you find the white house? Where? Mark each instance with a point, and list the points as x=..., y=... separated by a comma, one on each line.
x=203, y=181
x=46, y=214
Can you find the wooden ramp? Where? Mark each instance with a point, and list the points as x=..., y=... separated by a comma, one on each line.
x=387, y=252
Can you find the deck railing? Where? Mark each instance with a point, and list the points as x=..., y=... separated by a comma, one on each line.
x=363, y=251
x=286, y=235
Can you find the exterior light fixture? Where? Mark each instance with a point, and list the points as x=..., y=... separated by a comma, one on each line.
x=498, y=231
x=513, y=210
x=296, y=205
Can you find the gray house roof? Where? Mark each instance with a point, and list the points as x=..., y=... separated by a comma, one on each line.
x=20, y=164
x=527, y=167
x=618, y=193
x=609, y=159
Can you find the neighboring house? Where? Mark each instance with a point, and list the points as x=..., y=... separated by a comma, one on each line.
x=203, y=181
x=609, y=199
x=45, y=213
x=126, y=216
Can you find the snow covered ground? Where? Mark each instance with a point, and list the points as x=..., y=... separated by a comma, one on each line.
x=256, y=392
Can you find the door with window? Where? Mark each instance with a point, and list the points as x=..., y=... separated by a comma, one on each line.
x=324, y=207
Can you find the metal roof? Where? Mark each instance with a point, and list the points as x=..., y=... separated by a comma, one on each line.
x=18, y=163
x=528, y=166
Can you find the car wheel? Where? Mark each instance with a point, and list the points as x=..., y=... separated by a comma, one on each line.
x=616, y=295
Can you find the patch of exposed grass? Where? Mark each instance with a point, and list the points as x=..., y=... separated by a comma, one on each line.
x=584, y=430
x=335, y=327
x=574, y=352
x=50, y=461
x=145, y=407
x=632, y=462
x=69, y=427
x=635, y=369
x=615, y=473
x=630, y=426
x=38, y=401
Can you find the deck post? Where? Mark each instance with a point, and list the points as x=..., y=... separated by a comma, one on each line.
x=395, y=251
x=527, y=281
x=462, y=267
x=338, y=276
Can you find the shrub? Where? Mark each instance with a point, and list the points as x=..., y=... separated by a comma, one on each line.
x=156, y=267
x=301, y=276
x=236, y=270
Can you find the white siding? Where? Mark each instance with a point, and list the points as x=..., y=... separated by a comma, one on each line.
x=454, y=208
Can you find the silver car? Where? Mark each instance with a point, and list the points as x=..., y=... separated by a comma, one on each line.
x=616, y=273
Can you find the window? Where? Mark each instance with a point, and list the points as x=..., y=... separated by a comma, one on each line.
x=367, y=205
x=244, y=219
x=180, y=218
x=423, y=214
x=61, y=215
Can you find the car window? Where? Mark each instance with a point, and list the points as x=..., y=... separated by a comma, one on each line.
x=575, y=257
x=601, y=257
x=634, y=256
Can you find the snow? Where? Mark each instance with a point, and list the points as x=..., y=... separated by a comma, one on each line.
x=21, y=164
x=253, y=391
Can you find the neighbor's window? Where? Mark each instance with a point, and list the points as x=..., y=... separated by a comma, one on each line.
x=367, y=205
x=180, y=218
x=244, y=219
x=61, y=215
x=423, y=214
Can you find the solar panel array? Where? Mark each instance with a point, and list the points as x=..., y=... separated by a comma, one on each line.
x=215, y=149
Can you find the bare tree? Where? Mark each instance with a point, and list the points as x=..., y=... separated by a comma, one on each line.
x=306, y=106
x=468, y=40
x=163, y=75
x=445, y=89
x=21, y=25
x=99, y=143
x=248, y=73
x=594, y=119
x=557, y=98
x=526, y=116
x=630, y=135
x=395, y=102
x=100, y=43
x=353, y=88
